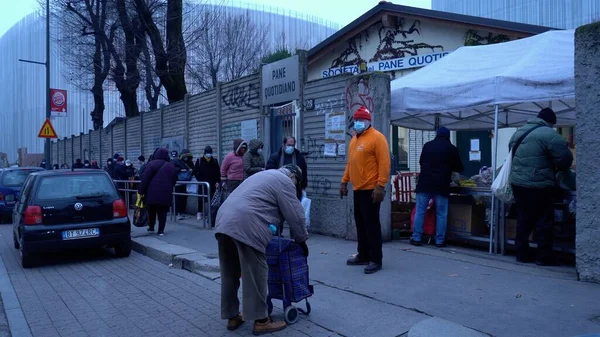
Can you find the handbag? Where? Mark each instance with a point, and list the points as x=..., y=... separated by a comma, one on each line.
x=140, y=215
x=501, y=186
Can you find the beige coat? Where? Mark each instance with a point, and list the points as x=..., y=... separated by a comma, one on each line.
x=267, y=197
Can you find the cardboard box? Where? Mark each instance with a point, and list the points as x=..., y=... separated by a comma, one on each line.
x=401, y=220
x=511, y=230
x=465, y=218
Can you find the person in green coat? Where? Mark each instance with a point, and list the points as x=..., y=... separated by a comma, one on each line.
x=541, y=155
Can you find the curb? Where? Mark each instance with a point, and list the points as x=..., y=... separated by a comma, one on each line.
x=14, y=313
x=178, y=257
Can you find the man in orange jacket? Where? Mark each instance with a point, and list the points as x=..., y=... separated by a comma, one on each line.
x=368, y=168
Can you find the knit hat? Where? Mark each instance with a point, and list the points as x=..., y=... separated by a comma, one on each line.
x=142, y=158
x=443, y=132
x=116, y=156
x=208, y=149
x=362, y=113
x=128, y=162
x=120, y=159
x=548, y=115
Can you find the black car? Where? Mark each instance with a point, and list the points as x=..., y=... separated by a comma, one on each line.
x=11, y=180
x=62, y=209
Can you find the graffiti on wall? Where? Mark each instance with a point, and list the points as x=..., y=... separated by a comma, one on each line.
x=320, y=185
x=474, y=38
x=332, y=105
x=241, y=96
x=175, y=143
x=394, y=43
x=390, y=47
x=315, y=150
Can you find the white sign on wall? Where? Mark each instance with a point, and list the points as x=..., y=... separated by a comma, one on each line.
x=388, y=65
x=249, y=130
x=281, y=81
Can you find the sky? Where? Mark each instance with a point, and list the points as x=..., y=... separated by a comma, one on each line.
x=339, y=11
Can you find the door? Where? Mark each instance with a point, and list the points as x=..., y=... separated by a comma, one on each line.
x=283, y=124
x=473, y=161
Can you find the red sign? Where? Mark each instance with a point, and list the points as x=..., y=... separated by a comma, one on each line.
x=58, y=102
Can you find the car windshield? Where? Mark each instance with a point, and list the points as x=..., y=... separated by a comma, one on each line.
x=77, y=186
x=15, y=178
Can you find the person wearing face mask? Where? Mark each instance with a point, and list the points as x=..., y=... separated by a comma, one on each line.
x=253, y=160
x=94, y=165
x=368, y=168
x=288, y=154
x=242, y=231
x=86, y=164
x=110, y=168
x=207, y=170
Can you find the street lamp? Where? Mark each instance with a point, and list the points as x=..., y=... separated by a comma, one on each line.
x=47, y=64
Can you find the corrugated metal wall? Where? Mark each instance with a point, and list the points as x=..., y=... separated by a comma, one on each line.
x=174, y=120
x=203, y=119
x=119, y=138
x=328, y=212
x=240, y=101
x=95, y=150
x=106, y=146
x=151, y=132
x=134, y=138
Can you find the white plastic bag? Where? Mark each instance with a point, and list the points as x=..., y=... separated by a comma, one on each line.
x=192, y=188
x=306, y=205
x=501, y=185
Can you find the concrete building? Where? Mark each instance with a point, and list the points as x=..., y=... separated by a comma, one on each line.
x=24, y=100
x=398, y=40
x=564, y=14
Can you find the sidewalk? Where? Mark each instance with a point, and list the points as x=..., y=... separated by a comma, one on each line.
x=421, y=289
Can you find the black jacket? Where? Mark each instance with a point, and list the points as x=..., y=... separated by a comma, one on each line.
x=209, y=172
x=274, y=163
x=439, y=159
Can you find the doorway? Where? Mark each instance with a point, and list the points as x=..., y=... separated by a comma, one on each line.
x=475, y=149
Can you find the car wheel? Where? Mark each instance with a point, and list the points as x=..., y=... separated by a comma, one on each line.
x=123, y=249
x=26, y=258
x=15, y=241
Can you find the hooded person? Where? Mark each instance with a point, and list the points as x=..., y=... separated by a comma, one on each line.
x=207, y=170
x=157, y=187
x=253, y=159
x=232, y=168
x=43, y=164
x=120, y=173
x=289, y=154
x=539, y=154
x=242, y=231
x=94, y=165
x=184, y=165
x=86, y=164
x=55, y=167
x=439, y=158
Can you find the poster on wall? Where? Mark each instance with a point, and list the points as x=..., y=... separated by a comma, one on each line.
x=335, y=126
x=249, y=130
x=175, y=143
x=330, y=149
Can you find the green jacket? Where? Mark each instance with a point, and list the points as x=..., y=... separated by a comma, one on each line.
x=541, y=155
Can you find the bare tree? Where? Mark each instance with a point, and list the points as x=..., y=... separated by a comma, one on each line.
x=170, y=61
x=231, y=47
x=85, y=54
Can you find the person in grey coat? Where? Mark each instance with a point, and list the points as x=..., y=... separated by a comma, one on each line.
x=254, y=161
x=242, y=231
x=542, y=154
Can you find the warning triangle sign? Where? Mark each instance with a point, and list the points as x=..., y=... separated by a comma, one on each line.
x=47, y=130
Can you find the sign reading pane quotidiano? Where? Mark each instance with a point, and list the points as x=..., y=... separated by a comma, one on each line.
x=281, y=81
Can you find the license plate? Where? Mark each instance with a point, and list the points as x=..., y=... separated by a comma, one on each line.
x=80, y=233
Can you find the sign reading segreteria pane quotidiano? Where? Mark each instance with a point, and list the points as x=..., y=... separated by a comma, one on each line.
x=281, y=81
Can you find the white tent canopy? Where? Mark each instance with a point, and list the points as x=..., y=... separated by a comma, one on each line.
x=463, y=88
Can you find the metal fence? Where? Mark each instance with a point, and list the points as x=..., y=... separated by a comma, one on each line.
x=131, y=188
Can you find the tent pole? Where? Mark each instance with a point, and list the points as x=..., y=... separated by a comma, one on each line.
x=493, y=222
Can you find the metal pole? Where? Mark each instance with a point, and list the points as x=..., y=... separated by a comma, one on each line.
x=48, y=115
x=493, y=223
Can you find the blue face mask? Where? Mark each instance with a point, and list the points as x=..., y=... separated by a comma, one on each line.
x=359, y=126
x=208, y=155
x=289, y=149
